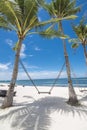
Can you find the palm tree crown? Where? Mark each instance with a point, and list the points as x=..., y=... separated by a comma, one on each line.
x=81, y=32
x=61, y=8
x=18, y=15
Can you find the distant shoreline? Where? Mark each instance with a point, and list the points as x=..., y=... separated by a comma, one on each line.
x=46, y=79
x=80, y=82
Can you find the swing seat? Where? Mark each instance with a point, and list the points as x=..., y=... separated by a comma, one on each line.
x=44, y=92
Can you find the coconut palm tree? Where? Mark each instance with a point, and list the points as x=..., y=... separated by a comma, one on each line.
x=60, y=9
x=81, y=32
x=20, y=16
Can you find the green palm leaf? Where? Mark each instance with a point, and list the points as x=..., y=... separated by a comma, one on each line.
x=52, y=34
x=60, y=8
x=81, y=31
x=75, y=45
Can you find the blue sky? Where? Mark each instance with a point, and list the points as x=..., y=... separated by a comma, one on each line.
x=42, y=57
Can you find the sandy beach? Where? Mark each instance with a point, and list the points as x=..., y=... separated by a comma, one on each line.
x=33, y=111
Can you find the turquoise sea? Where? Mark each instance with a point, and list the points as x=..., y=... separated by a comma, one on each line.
x=79, y=82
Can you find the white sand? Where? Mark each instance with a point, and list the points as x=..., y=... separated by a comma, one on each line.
x=33, y=111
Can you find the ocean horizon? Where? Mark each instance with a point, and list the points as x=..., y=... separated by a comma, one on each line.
x=63, y=82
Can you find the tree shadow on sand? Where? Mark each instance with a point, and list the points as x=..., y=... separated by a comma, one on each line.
x=84, y=98
x=36, y=115
x=1, y=100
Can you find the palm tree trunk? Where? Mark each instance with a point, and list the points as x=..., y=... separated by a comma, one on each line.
x=72, y=95
x=85, y=52
x=8, y=101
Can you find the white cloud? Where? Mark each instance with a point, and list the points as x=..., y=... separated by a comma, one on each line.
x=4, y=66
x=46, y=74
x=6, y=74
x=30, y=35
x=29, y=66
x=9, y=42
x=41, y=75
x=30, y=55
x=85, y=14
x=39, y=18
x=5, y=71
x=37, y=49
x=22, y=54
x=33, y=67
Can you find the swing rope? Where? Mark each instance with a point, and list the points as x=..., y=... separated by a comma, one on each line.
x=28, y=75
x=74, y=74
x=57, y=77
x=53, y=85
x=75, y=77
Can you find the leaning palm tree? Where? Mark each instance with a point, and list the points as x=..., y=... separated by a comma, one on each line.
x=20, y=16
x=60, y=9
x=81, y=32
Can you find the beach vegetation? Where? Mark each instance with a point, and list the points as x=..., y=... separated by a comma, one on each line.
x=81, y=33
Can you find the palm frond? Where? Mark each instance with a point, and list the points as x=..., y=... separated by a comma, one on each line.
x=71, y=8
x=5, y=24
x=75, y=45
x=16, y=46
x=61, y=8
x=11, y=12
x=29, y=14
x=33, y=23
x=56, y=20
x=9, y=6
x=81, y=30
x=74, y=40
x=31, y=9
x=40, y=2
x=20, y=14
x=51, y=33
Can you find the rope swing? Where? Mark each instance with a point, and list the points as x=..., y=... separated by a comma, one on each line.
x=53, y=85
x=81, y=89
